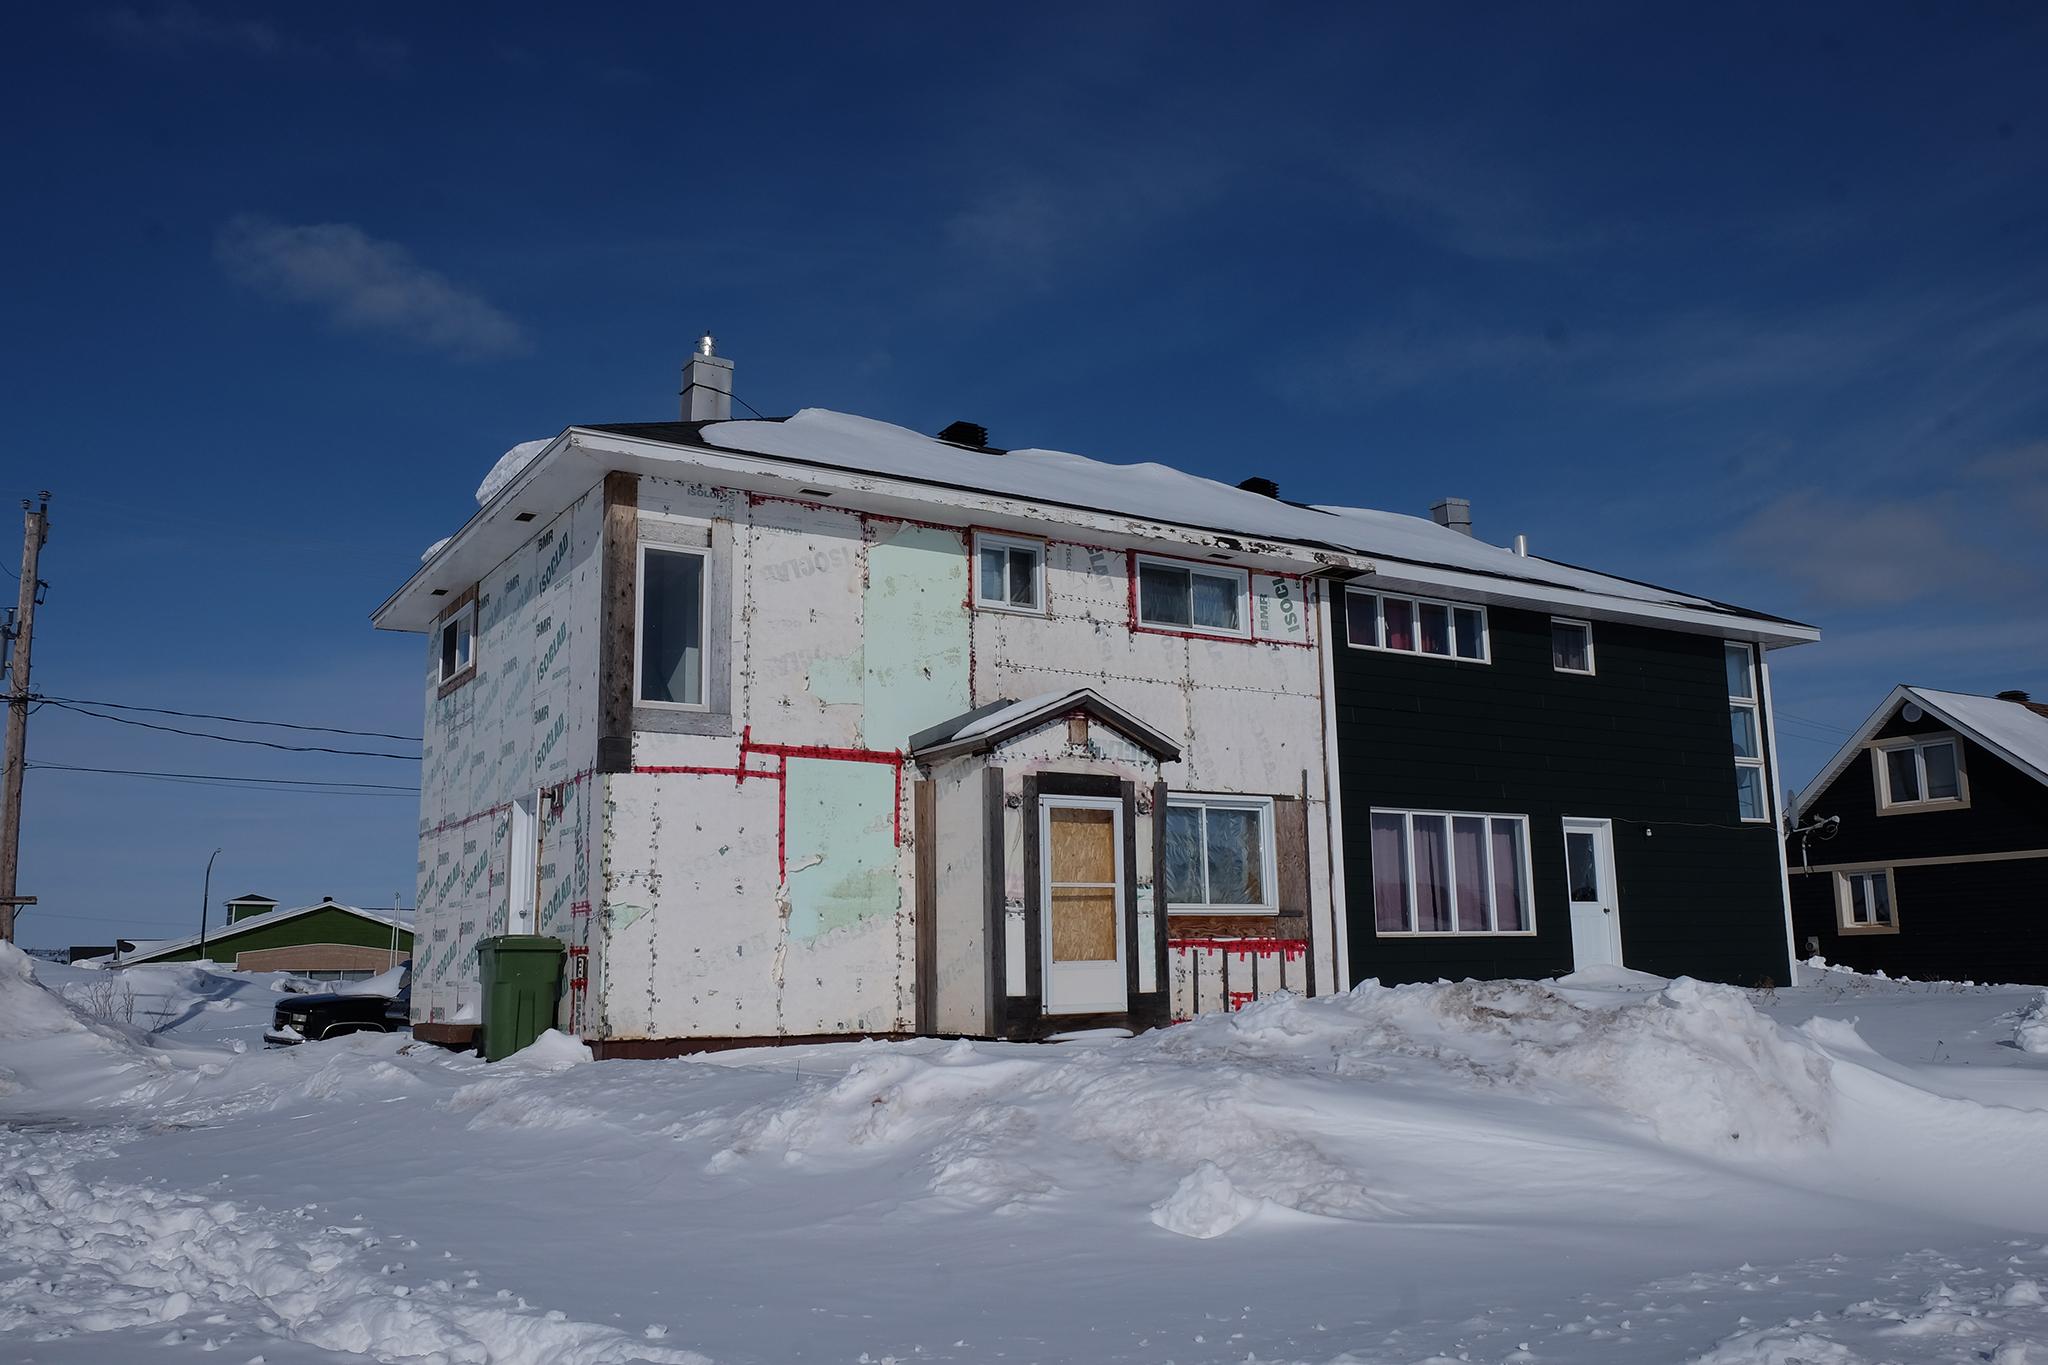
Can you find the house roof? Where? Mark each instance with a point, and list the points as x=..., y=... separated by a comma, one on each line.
x=2016, y=731
x=251, y=899
x=987, y=726
x=1400, y=549
x=400, y=919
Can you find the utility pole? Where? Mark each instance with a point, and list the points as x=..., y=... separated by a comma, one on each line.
x=205, y=895
x=21, y=635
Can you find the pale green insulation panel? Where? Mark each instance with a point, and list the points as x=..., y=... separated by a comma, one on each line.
x=915, y=637
x=840, y=842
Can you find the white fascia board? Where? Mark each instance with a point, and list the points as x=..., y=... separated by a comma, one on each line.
x=580, y=457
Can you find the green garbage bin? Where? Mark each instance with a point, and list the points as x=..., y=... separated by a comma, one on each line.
x=522, y=979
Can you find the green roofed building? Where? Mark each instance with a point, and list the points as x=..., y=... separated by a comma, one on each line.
x=329, y=941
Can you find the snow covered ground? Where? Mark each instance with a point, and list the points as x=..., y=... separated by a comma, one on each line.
x=1611, y=1170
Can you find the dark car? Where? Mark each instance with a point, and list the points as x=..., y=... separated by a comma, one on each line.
x=331, y=1014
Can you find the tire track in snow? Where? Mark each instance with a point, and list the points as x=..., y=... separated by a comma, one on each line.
x=104, y=1256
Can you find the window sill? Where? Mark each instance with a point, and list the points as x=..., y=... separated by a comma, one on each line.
x=1011, y=609
x=1193, y=632
x=1567, y=672
x=1859, y=930
x=1922, y=807
x=1222, y=911
x=1453, y=933
x=1421, y=654
x=449, y=685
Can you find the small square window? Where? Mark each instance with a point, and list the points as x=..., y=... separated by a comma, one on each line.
x=1919, y=774
x=457, y=651
x=1864, y=900
x=1184, y=597
x=1571, y=646
x=1009, y=573
x=1219, y=855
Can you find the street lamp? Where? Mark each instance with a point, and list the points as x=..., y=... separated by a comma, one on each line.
x=205, y=895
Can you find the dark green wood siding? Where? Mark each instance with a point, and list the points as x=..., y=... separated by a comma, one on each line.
x=318, y=926
x=1645, y=743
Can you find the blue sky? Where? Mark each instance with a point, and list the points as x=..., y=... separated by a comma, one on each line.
x=1750, y=300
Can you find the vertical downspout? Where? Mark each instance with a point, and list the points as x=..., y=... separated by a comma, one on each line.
x=1763, y=670
x=1333, y=796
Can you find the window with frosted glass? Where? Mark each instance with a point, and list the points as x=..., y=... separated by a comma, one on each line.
x=671, y=627
x=1752, y=800
x=1183, y=597
x=1219, y=854
x=1411, y=625
x=1438, y=872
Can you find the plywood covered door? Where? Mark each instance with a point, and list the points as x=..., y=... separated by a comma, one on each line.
x=1081, y=857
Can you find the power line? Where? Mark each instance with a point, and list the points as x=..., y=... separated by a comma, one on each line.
x=224, y=777
x=230, y=739
x=232, y=720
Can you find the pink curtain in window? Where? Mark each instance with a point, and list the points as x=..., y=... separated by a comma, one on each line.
x=1389, y=874
x=1468, y=850
x=1432, y=874
x=1510, y=896
x=1400, y=624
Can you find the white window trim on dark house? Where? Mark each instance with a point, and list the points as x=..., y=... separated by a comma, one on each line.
x=1587, y=627
x=461, y=620
x=1412, y=904
x=703, y=558
x=985, y=541
x=1269, y=896
x=1454, y=632
x=1845, y=914
x=1754, y=707
x=1880, y=757
x=1241, y=580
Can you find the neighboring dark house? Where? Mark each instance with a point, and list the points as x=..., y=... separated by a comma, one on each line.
x=1612, y=787
x=1921, y=850
x=328, y=941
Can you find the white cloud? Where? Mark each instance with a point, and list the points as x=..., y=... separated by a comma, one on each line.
x=1846, y=552
x=365, y=284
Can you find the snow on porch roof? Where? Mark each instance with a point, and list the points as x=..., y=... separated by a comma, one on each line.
x=987, y=726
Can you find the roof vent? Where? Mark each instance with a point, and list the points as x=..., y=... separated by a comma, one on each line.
x=1261, y=485
x=2015, y=694
x=966, y=434
x=1453, y=513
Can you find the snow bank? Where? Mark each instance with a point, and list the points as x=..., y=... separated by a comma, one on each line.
x=510, y=466
x=55, y=1052
x=552, y=1051
x=2030, y=1034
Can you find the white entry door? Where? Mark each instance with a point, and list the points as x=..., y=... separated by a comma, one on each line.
x=1081, y=873
x=1596, y=912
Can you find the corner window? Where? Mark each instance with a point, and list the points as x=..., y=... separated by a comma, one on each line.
x=1009, y=573
x=456, y=651
x=1745, y=729
x=1571, y=645
x=670, y=641
x=1920, y=773
x=1413, y=625
x=1865, y=902
x=1177, y=596
x=1219, y=855
x=1441, y=872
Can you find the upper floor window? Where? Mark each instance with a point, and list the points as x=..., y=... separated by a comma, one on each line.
x=1920, y=772
x=670, y=641
x=1009, y=573
x=1571, y=645
x=1219, y=854
x=1177, y=596
x=1414, y=625
x=1746, y=728
x=456, y=645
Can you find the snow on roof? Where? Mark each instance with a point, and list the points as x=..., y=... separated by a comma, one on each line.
x=2012, y=730
x=400, y=919
x=509, y=467
x=1157, y=491
x=998, y=719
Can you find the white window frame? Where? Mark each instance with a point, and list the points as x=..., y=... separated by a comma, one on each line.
x=1241, y=577
x=1269, y=900
x=1880, y=759
x=1753, y=703
x=995, y=541
x=1844, y=914
x=1591, y=669
x=703, y=554
x=465, y=667
x=1414, y=902
x=1416, y=604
